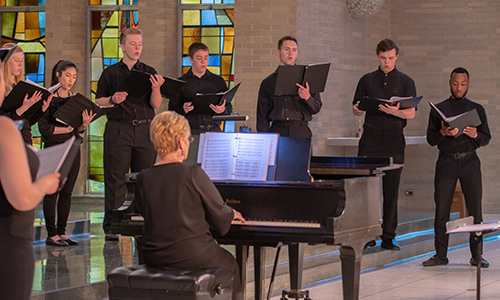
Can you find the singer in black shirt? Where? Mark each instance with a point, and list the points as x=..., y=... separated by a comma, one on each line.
x=457, y=161
x=383, y=130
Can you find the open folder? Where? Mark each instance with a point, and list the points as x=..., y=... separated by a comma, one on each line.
x=470, y=118
x=58, y=158
x=15, y=98
x=201, y=102
x=289, y=75
x=371, y=104
x=138, y=84
x=70, y=113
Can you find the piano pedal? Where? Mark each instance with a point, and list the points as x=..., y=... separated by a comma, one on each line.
x=296, y=294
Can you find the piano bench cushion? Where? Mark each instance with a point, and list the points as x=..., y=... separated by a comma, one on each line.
x=141, y=282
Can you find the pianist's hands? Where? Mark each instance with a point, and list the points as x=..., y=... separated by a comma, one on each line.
x=237, y=216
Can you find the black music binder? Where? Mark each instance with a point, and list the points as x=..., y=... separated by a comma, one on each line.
x=15, y=98
x=71, y=112
x=314, y=74
x=201, y=102
x=470, y=118
x=5, y=53
x=138, y=84
x=371, y=104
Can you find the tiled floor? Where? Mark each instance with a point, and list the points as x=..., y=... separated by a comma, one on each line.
x=411, y=281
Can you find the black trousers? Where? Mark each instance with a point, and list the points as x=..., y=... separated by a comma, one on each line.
x=215, y=256
x=63, y=203
x=298, y=129
x=127, y=148
x=18, y=266
x=448, y=171
x=386, y=143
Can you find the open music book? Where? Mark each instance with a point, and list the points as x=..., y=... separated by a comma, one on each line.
x=371, y=104
x=15, y=98
x=314, y=74
x=70, y=113
x=58, y=158
x=138, y=84
x=470, y=118
x=237, y=156
x=201, y=102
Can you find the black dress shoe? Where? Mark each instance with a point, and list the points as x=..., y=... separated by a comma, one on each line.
x=371, y=243
x=109, y=236
x=484, y=263
x=435, y=261
x=390, y=245
x=71, y=242
x=58, y=243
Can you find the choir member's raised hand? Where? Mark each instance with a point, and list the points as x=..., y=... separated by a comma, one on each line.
x=46, y=103
x=118, y=97
x=156, y=81
x=187, y=106
x=355, y=110
x=87, y=118
x=304, y=91
x=447, y=131
x=219, y=109
x=28, y=102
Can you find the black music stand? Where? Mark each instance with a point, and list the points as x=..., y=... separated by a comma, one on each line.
x=467, y=225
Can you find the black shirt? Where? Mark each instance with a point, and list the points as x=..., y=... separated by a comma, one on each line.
x=132, y=108
x=282, y=108
x=463, y=143
x=381, y=85
x=206, y=84
x=178, y=227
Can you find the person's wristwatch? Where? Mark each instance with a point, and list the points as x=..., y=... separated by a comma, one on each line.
x=111, y=101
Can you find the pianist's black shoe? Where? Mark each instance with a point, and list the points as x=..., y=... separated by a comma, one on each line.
x=436, y=261
x=370, y=244
x=109, y=236
x=390, y=245
x=484, y=263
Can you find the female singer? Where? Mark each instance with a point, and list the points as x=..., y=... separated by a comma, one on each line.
x=54, y=133
x=13, y=73
x=175, y=195
x=19, y=195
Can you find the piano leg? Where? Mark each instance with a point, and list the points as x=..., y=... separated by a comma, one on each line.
x=241, y=259
x=296, y=264
x=350, y=256
x=259, y=263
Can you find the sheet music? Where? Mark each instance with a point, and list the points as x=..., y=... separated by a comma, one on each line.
x=236, y=156
x=52, y=158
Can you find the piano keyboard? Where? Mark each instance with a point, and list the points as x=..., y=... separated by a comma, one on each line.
x=277, y=223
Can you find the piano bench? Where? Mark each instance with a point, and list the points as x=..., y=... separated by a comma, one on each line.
x=141, y=282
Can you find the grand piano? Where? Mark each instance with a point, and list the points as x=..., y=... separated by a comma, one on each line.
x=317, y=200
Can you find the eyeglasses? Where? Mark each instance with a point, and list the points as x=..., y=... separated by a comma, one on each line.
x=190, y=139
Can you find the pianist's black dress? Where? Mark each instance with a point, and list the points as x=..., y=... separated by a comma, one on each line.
x=17, y=260
x=180, y=206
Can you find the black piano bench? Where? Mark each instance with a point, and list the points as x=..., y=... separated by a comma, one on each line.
x=141, y=282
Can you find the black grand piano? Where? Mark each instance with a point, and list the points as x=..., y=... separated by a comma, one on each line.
x=318, y=200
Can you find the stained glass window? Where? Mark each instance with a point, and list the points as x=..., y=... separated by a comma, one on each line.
x=215, y=28
x=105, y=33
x=27, y=30
x=207, y=1
x=113, y=2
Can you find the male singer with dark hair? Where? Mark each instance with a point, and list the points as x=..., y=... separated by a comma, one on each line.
x=126, y=137
x=288, y=115
x=457, y=161
x=383, y=130
x=199, y=80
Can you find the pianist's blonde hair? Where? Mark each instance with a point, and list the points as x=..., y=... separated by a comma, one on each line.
x=167, y=128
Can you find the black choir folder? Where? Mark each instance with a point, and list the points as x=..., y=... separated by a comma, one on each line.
x=137, y=84
x=58, y=158
x=238, y=156
x=15, y=98
x=470, y=118
x=201, y=102
x=70, y=113
x=314, y=74
x=371, y=104
x=5, y=53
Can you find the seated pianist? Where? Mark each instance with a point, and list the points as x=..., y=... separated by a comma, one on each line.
x=180, y=206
